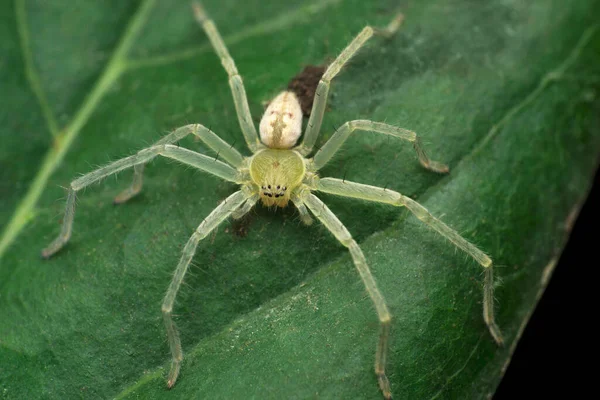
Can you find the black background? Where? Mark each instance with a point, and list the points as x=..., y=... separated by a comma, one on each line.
x=556, y=356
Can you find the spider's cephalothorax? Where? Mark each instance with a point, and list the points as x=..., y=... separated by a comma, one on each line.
x=277, y=173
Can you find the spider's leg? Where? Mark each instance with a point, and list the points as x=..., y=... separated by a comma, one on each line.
x=371, y=193
x=320, y=101
x=304, y=214
x=328, y=218
x=218, y=215
x=339, y=137
x=185, y=156
x=223, y=149
x=235, y=80
x=247, y=206
x=136, y=185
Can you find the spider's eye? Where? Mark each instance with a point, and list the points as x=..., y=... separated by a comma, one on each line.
x=283, y=188
x=269, y=186
x=278, y=187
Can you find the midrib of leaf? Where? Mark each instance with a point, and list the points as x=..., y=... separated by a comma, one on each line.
x=63, y=139
x=548, y=78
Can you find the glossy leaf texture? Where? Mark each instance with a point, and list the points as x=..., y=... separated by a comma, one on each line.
x=505, y=92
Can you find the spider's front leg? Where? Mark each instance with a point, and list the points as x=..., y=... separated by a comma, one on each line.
x=200, y=161
x=223, y=150
x=235, y=80
x=218, y=215
x=320, y=103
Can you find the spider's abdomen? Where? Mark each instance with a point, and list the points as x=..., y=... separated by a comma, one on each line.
x=281, y=125
x=277, y=173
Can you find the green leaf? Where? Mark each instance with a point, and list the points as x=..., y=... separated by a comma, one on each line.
x=504, y=92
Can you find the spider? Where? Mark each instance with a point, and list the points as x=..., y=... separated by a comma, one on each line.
x=279, y=172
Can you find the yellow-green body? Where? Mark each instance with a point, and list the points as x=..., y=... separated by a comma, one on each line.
x=277, y=173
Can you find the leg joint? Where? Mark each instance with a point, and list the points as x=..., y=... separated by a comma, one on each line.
x=399, y=202
x=347, y=242
x=325, y=80
x=234, y=76
x=156, y=149
x=351, y=125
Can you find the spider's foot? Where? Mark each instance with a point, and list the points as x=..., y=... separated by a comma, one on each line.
x=394, y=25
x=46, y=254
x=437, y=167
x=384, y=385
x=173, y=373
x=125, y=195
x=53, y=248
x=306, y=219
x=496, y=334
x=199, y=12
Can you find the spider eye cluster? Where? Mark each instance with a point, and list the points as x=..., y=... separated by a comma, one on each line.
x=273, y=190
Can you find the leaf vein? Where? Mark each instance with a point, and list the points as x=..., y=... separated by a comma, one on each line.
x=30, y=72
x=550, y=77
x=458, y=372
x=278, y=23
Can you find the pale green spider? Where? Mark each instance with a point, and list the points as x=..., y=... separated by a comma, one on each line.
x=276, y=173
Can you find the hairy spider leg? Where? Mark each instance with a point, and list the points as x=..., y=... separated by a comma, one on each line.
x=302, y=210
x=200, y=161
x=339, y=137
x=218, y=215
x=320, y=102
x=372, y=193
x=223, y=149
x=235, y=80
x=335, y=226
x=247, y=206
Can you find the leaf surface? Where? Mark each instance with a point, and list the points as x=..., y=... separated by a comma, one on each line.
x=504, y=92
